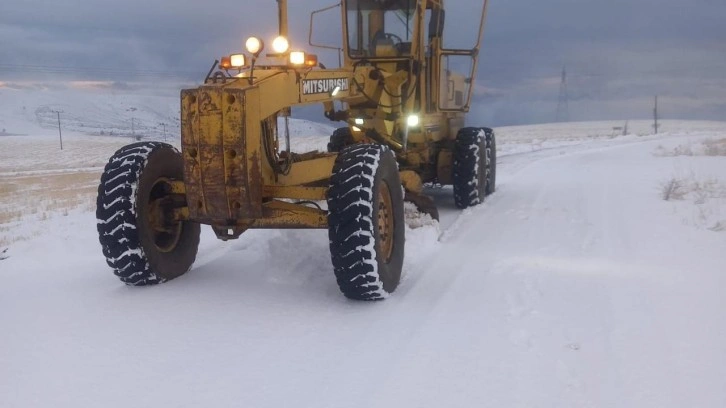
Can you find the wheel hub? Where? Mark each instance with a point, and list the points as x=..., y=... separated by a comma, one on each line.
x=165, y=230
x=385, y=223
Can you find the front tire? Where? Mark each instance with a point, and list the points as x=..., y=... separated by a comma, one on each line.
x=366, y=223
x=340, y=138
x=139, y=248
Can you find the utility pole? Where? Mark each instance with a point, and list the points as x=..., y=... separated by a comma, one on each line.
x=60, y=134
x=133, y=129
x=563, y=108
x=164, y=126
x=655, y=115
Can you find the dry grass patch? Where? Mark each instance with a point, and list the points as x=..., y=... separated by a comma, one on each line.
x=700, y=202
x=26, y=154
x=40, y=198
x=708, y=147
x=6, y=189
x=690, y=188
x=715, y=147
x=673, y=189
x=9, y=216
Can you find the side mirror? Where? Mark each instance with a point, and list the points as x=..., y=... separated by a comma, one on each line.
x=339, y=49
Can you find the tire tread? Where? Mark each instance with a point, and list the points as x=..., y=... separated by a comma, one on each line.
x=115, y=214
x=350, y=220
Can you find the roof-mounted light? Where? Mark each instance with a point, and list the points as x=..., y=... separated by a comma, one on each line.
x=301, y=59
x=280, y=45
x=297, y=58
x=238, y=61
x=225, y=62
x=254, y=46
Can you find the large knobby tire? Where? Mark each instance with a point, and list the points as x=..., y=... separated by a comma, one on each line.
x=366, y=223
x=473, y=163
x=138, y=253
x=340, y=138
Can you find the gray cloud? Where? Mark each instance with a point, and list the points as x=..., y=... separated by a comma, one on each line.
x=619, y=53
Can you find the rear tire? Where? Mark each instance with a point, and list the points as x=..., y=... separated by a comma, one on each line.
x=138, y=253
x=366, y=223
x=491, y=162
x=469, y=167
x=475, y=163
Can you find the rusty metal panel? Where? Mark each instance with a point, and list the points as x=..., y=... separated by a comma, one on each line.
x=244, y=187
x=211, y=154
x=257, y=167
x=280, y=214
x=296, y=192
x=215, y=168
x=190, y=151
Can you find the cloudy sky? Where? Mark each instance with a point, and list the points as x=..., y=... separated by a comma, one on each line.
x=618, y=53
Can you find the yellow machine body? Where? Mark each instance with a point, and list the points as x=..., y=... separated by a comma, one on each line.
x=398, y=93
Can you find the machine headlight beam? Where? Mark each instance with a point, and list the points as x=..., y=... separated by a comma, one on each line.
x=238, y=61
x=254, y=46
x=297, y=58
x=280, y=45
x=300, y=59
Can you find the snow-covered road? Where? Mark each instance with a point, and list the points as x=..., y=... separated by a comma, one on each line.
x=575, y=285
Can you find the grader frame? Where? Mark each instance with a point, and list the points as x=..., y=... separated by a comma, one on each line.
x=404, y=112
x=231, y=185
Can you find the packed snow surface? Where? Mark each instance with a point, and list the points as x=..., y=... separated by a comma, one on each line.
x=575, y=285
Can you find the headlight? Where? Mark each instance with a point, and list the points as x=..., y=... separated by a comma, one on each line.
x=412, y=121
x=237, y=60
x=297, y=58
x=254, y=45
x=280, y=45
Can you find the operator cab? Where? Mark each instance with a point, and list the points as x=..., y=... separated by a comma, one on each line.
x=380, y=28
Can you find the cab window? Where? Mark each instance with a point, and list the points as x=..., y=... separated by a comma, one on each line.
x=380, y=28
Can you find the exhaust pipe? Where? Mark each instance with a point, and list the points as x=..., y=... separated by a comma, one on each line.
x=282, y=17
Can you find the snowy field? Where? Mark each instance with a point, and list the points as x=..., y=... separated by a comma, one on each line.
x=593, y=278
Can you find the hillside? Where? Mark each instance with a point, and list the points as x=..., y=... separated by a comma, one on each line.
x=99, y=109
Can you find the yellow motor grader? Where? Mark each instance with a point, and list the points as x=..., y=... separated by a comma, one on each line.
x=402, y=97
